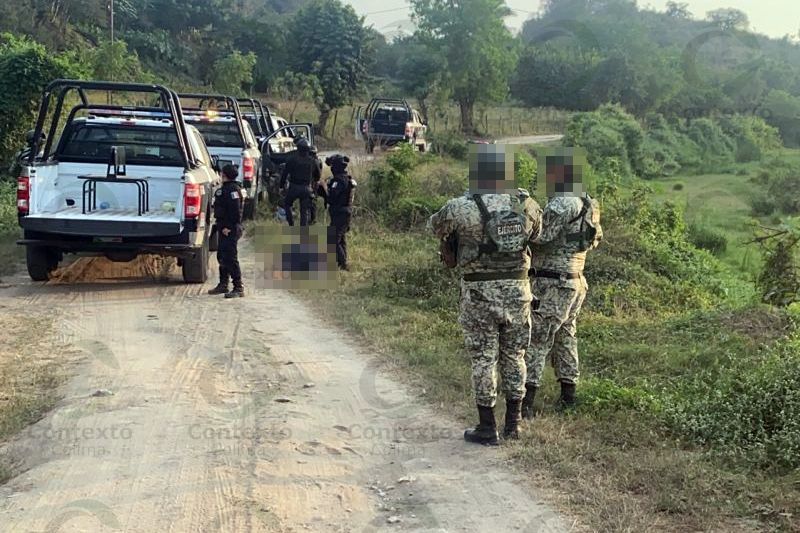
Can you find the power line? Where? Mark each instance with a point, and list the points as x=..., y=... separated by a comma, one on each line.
x=387, y=11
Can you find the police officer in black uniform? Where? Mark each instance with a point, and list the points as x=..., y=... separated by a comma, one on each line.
x=338, y=195
x=228, y=205
x=301, y=171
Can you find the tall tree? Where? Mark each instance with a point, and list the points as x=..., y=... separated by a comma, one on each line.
x=334, y=46
x=421, y=74
x=479, y=51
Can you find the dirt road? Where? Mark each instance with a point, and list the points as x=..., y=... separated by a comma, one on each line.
x=192, y=413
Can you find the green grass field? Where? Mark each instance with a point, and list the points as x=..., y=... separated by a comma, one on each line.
x=629, y=459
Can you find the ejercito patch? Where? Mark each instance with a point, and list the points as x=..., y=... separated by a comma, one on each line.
x=509, y=229
x=235, y=195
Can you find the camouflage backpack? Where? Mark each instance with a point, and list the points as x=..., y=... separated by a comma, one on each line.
x=587, y=235
x=508, y=230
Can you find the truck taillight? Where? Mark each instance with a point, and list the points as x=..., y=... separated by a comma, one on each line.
x=248, y=169
x=192, y=200
x=23, y=195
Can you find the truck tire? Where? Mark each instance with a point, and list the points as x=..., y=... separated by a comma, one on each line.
x=40, y=262
x=195, y=269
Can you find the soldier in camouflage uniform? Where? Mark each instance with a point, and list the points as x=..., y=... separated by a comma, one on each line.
x=495, y=293
x=557, y=281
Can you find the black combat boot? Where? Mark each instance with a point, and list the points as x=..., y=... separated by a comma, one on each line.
x=486, y=430
x=237, y=292
x=567, y=400
x=219, y=289
x=527, y=403
x=513, y=417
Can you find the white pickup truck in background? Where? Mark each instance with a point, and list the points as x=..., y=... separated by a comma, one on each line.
x=230, y=138
x=121, y=180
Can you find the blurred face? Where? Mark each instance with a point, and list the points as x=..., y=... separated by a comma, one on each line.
x=491, y=169
x=563, y=172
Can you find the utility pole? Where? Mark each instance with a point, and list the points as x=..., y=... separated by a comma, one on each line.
x=111, y=10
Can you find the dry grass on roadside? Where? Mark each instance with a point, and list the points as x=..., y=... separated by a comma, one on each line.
x=29, y=374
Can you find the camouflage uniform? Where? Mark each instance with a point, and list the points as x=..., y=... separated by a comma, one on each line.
x=554, y=323
x=495, y=315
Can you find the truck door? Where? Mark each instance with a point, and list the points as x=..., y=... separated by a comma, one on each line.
x=360, y=123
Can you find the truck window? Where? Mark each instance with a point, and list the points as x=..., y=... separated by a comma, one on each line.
x=219, y=133
x=143, y=145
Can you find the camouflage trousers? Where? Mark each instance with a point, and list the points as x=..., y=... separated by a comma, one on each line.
x=496, y=319
x=553, y=328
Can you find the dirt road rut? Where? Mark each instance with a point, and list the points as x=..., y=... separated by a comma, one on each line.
x=190, y=413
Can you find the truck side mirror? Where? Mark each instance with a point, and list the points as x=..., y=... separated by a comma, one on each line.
x=215, y=163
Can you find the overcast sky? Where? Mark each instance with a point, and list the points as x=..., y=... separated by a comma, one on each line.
x=775, y=18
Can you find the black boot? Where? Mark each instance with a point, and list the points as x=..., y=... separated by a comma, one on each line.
x=527, y=403
x=513, y=417
x=567, y=400
x=219, y=289
x=237, y=292
x=486, y=430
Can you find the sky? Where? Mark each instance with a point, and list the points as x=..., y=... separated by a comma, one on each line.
x=775, y=18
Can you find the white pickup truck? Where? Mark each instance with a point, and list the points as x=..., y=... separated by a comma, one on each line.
x=120, y=180
x=230, y=138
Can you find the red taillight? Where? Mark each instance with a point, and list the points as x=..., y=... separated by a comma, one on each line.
x=23, y=195
x=192, y=200
x=248, y=169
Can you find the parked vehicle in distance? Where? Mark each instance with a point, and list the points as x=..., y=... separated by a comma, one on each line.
x=120, y=180
x=230, y=138
x=387, y=122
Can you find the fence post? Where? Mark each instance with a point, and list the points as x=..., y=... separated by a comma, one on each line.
x=335, y=118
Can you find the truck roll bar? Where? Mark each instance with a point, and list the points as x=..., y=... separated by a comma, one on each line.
x=230, y=101
x=168, y=99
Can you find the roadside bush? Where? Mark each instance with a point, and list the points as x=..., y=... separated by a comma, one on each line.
x=785, y=189
x=762, y=205
x=413, y=212
x=716, y=147
x=749, y=413
x=8, y=208
x=678, y=186
x=525, y=168
x=708, y=239
x=449, y=144
x=26, y=67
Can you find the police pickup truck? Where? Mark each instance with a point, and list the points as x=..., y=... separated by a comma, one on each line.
x=121, y=180
x=387, y=122
x=230, y=138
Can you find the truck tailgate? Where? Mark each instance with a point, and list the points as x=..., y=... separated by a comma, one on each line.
x=59, y=203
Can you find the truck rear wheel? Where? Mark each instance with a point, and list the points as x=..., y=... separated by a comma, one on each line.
x=195, y=269
x=41, y=261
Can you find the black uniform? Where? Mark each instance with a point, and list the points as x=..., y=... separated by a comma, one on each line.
x=314, y=189
x=339, y=199
x=301, y=170
x=228, y=205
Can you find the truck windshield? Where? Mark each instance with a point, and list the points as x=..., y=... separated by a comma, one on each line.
x=219, y=133
x=143, y=145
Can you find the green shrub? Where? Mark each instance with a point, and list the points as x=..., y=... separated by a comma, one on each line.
x=715, y=146
x=603, y=395
x=678, y=186
x=525, y=168
x=450, y=144
x=751, y=412
x=706, y=238
x=8, y=207
x=414, y=211
x=762, y=205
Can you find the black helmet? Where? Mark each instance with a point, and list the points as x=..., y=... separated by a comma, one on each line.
x=337, y=162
